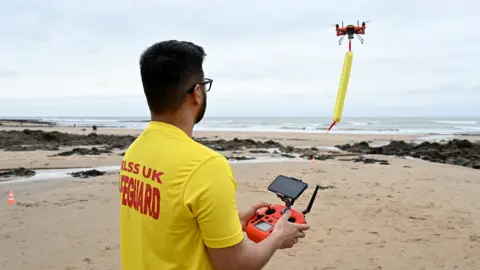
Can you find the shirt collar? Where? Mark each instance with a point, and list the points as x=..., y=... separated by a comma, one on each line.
x=166, y=127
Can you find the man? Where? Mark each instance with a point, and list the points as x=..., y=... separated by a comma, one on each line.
x=177, y=197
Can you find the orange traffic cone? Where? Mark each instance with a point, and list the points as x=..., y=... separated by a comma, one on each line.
x=11, y=199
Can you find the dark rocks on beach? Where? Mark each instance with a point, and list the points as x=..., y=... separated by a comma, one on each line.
x=455, y=152
x=259, y=151
x=87, y=174
x=307, y=153
x=237, y=144
x=30, y=140
x=287, y=155
x=312, y=154
x=20, y=172
x=240, y=158
x=85, y=151
x=324, y=157
x=371, y=160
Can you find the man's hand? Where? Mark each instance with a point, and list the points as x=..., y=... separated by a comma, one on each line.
x=251, y=212
x=288, y=232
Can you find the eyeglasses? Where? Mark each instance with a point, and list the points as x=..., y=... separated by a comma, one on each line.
x=207, y=83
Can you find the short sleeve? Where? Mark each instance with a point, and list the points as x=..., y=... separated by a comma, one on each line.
x=210, y=197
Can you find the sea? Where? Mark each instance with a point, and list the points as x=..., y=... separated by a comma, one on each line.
x=348, y=125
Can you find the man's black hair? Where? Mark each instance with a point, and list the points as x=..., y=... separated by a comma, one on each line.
x=168, y=69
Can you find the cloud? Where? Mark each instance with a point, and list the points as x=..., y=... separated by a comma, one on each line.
x=7, y=74
x=280, y=57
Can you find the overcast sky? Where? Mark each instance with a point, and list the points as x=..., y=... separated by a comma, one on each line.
x=267, y=58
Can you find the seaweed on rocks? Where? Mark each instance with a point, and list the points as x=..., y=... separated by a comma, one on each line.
x=31, y=140
x=85, y=151
x=19, y=172
x=237, y=144
x=239, y=158
x=455, y=152
x=87, y=174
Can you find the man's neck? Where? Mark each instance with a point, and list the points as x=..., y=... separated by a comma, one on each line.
x=174, y=120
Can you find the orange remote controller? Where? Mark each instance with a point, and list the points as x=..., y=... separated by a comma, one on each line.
x=288, y=189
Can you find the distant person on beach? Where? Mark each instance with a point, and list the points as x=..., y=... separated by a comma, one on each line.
x=177, y=197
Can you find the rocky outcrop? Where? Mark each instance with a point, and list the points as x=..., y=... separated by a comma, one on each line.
x=30, y=140
x=87, y=174
x=455, y=152
x=85, y=151
x=18, y=172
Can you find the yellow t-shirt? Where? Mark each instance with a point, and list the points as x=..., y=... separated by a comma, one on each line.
x=176, y=196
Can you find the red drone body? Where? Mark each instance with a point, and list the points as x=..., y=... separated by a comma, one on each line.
x=350, y=30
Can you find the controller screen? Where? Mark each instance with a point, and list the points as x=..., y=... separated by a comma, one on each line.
x=287, y=186
x=264, y=226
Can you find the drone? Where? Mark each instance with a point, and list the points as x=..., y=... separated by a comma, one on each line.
x=350, y=30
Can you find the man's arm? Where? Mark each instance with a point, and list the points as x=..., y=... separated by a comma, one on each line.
x=210, y=197
x=244, y=255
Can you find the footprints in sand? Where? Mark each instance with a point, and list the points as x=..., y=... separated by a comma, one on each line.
x=475, y=238
x=312, y=170
x=63, y=202
x=60, y=202
x=88, y=262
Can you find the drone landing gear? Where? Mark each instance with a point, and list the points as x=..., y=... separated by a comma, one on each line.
x=350, y=37
x=359, y=38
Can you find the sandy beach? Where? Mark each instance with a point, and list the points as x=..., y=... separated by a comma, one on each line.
x=409, y=214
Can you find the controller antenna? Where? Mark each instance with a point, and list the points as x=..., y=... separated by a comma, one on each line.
x=310, y=204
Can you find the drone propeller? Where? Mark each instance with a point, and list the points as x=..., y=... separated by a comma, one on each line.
x=335, y=24
x=341, y=25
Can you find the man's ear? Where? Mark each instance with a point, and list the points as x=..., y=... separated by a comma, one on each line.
x=198, y=94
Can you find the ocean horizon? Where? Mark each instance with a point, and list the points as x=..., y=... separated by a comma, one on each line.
x=348, y=125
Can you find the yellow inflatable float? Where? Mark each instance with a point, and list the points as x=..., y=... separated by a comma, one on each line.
x=342, y=89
